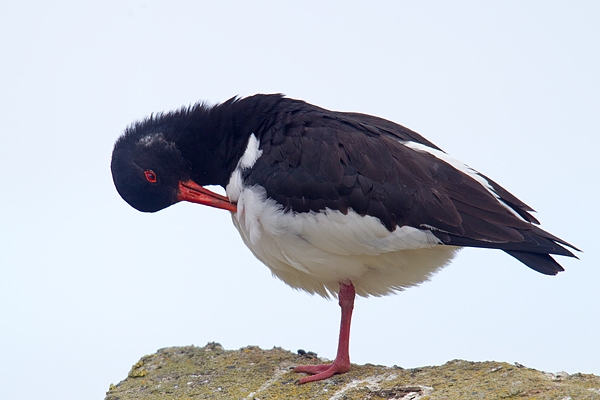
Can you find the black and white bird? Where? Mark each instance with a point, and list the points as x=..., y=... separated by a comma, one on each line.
x=334, y=203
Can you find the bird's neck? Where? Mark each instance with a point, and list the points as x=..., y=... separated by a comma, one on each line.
x=226, y=129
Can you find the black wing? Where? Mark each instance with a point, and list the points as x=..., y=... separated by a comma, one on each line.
x=315, y=159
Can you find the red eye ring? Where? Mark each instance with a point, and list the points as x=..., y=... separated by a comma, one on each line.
x=150, y=176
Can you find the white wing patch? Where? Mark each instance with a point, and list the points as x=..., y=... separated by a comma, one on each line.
x=462, y=167
x=251, y=154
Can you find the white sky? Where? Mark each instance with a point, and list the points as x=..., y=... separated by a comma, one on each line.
x=88, y=285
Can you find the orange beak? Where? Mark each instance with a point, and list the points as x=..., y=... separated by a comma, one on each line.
x=194, y=193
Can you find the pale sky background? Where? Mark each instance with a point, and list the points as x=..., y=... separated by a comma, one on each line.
x=88, y=285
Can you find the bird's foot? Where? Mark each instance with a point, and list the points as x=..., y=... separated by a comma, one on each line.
x=322, y=371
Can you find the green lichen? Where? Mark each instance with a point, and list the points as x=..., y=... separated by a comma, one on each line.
x=211, y=372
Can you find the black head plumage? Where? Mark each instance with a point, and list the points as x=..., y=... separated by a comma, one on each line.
x=200, y=143
x=147, y=167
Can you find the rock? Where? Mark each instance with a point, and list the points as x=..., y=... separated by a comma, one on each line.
x=251, y=373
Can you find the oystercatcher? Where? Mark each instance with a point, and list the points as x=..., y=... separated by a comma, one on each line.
x=334, y=203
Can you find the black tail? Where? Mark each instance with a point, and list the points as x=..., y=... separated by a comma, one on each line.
x=543, y=263
x=534, y=250
x=538, y=257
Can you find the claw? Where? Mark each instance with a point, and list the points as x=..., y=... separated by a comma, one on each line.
x=321, y=371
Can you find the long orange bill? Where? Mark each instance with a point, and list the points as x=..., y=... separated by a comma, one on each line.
x=194, y=193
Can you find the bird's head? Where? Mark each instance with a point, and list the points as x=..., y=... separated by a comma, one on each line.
x=150, y=174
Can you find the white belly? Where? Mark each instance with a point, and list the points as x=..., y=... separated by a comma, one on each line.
x=315, y=251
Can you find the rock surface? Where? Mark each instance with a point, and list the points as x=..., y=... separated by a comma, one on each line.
x=251, y=373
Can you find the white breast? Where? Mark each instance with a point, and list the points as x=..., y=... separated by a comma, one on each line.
x=315, y=251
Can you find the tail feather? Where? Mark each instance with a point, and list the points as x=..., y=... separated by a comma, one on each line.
x=543, y=263
x=534, y=250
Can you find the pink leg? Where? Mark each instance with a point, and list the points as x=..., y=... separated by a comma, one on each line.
x=341, y=364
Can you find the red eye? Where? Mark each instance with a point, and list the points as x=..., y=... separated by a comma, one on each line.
x=150, y=175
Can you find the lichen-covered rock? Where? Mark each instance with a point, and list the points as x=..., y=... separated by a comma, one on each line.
x=251, y=373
